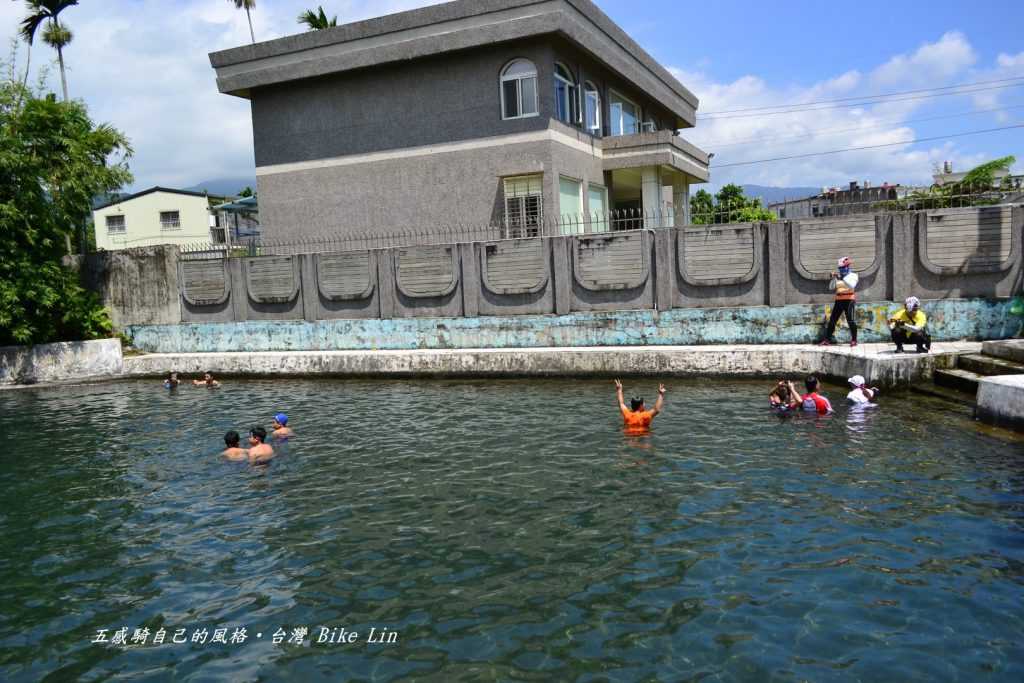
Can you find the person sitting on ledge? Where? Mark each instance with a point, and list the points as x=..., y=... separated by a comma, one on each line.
x=206, y=381
x=844, y=283
x=909, y=326
x=172, y=381
x=233, y=452
x=281, y=428
x=812, y=401
x=636, y=419
x=861, y=394
x=259, y=451
x=784, y=397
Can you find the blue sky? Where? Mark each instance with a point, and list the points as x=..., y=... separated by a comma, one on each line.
x=142, y=65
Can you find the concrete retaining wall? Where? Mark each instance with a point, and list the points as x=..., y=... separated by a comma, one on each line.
x=797, y=324
x=60, y=362
x=139, y=286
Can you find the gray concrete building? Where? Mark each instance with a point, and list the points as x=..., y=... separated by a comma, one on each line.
x=474, y=112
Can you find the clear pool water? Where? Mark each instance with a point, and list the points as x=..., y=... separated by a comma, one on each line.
x=506, y=531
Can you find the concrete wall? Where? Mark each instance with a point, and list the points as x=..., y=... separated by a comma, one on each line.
x=138, y=286
x=60, y=362
x=142, y=221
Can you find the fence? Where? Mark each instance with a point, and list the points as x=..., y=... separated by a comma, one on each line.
x=939, y=253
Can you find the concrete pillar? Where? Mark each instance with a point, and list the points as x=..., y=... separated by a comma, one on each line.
x=561, y=271
x=469, y=260
x=309, y=290
x=664, y=260
x=650, y=190
x=681, y=198
x=776, y=267
x=902, y=249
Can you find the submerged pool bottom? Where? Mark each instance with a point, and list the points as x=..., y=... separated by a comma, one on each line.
x=495, y=530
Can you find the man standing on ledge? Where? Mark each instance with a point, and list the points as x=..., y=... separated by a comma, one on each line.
x=636, y=419
x=844, y=283
x=909, y=326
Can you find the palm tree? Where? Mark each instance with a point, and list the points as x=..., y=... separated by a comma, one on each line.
x=317, y=21
x=248, y=6
x=56, y=35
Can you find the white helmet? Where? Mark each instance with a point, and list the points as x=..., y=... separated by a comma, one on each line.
x=912, y=302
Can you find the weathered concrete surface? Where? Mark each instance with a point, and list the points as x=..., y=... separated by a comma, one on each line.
x=949, y=320
x=876, y=362
x=60, y=362
x=138, y=286
x=1007, y=349
x=1001, y=401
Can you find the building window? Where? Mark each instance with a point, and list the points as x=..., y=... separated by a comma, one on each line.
x=592, y=107
x=649, y=125
x=570, y=205
x=625, y=115
x=170, y=220
x=115, y=224
x=519, y=90
x=597, y=207
x=524, y=202
x=567, y=98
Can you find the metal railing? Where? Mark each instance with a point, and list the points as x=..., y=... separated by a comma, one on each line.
x=580, y=224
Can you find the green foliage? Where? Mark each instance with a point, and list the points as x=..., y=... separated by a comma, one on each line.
x=53, y=160
x=317, y=20
x=247, y=192
x=729, y=205
x=978, y=188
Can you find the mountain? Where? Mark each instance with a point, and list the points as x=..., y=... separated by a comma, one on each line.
x=770, y=195
x=227, y=187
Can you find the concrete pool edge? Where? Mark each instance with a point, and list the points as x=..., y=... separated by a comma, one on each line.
x=876, y=362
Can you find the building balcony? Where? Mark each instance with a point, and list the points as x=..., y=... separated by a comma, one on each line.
x=659, y=149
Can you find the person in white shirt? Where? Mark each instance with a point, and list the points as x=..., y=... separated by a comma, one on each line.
x=844, y=283
x=861, y=394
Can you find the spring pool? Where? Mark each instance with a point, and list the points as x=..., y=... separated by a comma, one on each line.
x=505, y=530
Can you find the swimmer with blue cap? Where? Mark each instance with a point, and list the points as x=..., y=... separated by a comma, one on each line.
x=281, y=428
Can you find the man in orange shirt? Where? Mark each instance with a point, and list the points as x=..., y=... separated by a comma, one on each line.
x=635, y=419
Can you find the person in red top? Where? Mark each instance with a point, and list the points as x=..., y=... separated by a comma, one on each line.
x=636, y=419
x=812, y=401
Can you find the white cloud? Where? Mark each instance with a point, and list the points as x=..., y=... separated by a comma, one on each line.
x=142, y=66
x=950, y=60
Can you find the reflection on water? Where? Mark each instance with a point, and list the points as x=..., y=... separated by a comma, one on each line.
x=508, y=530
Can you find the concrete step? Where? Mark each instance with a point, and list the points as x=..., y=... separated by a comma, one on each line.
x=954, y=396
x=987, y=365
x=962, y=380
x=1006, y=349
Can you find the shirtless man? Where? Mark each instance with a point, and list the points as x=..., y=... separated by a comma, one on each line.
x=233, y=452
x=206, y=381
x=281, y=429
x=637, y=420
x=259, y=451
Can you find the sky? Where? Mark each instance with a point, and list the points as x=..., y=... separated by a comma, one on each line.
x=143, y=66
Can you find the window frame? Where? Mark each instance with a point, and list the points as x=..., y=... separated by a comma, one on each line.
x=528, y=225
x=118, y=231
x=614, y=94
x=572, y=95
x=598, y=220
x=166, y=226
x=518, y=78
x=589, y=88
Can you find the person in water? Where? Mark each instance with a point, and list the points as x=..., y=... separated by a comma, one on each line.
x=206, y=381
x=812, y=401
x=861, y=394
x=636, y=418
x=844, y=283
x=784, y=396
x=233, y=452
x=281, y=429
x=259, y=450
x=910, y=326
x=172, y=381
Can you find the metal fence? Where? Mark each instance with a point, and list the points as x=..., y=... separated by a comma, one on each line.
x=739, y=212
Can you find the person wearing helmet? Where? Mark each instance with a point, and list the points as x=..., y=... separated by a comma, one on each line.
x=281, y=429
x=844, y=283
x=636, y=419
x=910, y=326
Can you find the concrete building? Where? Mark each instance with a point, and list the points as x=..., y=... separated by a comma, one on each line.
x=474, y=112
x=857, y=199
x=158, y=215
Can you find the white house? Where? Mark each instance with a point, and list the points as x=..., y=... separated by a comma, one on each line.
x=158, y=215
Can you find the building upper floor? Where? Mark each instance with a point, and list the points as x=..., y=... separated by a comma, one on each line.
x=447, y=73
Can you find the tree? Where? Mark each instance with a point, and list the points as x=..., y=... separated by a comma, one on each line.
x=977, y=188
x=729, y=205
x=56, y=35
x=248, y=6
x=53, y=161
x=317, y=21
x=246, y=192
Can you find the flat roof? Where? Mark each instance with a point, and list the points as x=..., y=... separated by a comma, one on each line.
x=448, y=27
